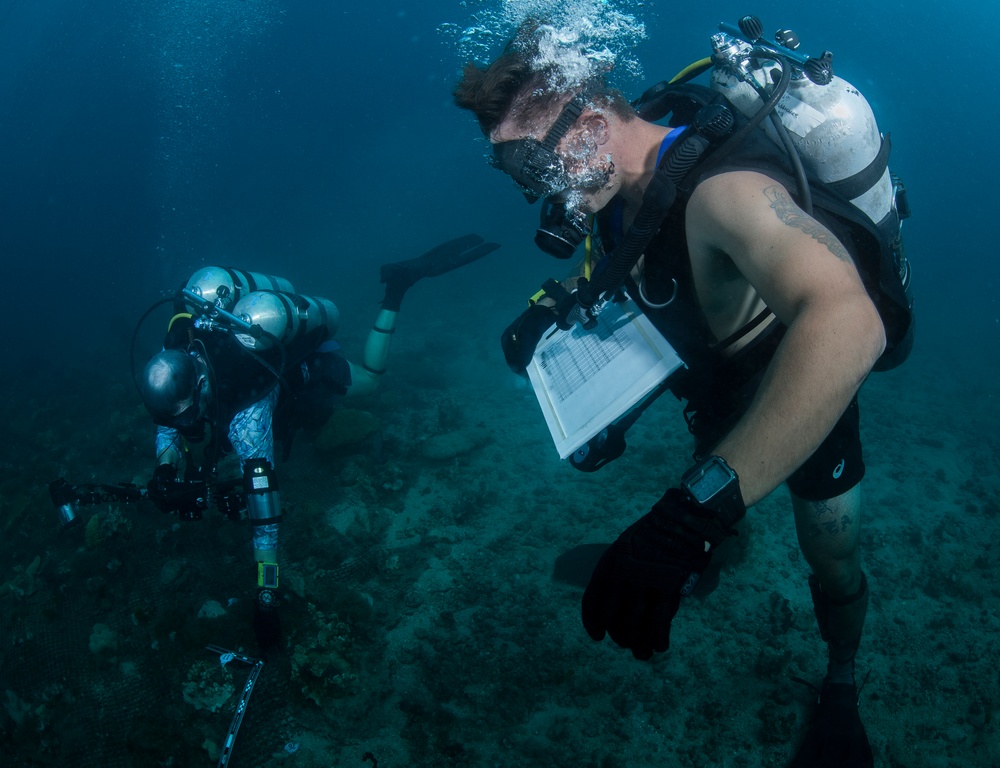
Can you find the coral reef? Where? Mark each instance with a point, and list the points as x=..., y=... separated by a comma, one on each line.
x=103, y=639
x=320, y=664
x=105, y=525
x=23, y=584
x=209, y=686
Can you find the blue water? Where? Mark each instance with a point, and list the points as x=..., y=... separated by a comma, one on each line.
x=142, y=140
x=136, y=143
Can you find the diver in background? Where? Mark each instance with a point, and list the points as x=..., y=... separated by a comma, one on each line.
x=767, y=306
x=207, y=375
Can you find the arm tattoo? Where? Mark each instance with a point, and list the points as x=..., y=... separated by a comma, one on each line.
x=790, y=214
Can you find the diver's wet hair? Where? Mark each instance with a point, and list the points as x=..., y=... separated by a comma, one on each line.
x=492, y=92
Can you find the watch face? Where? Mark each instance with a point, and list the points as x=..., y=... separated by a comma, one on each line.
x=713, y=477
x=266, y=598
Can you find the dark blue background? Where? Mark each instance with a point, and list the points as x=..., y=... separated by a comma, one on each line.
x=317, y=140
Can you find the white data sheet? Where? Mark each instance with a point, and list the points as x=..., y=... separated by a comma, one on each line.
x=585, y=380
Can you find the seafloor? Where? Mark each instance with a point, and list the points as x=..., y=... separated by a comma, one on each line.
x=422, y=623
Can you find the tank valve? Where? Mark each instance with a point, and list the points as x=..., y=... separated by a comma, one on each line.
x=787, y=39
x=751, y=28
x=820, y=70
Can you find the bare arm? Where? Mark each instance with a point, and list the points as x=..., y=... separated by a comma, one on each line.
x=808, y=280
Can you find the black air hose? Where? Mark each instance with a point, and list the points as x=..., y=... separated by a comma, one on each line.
x=656, y=201
x=711, y=123
x=662, y=189
x=805, y=194
x=737, y=138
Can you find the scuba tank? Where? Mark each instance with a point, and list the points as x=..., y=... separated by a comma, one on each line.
x=296, y=323
x=829, y=122
x=225, y=286
x=827, y=129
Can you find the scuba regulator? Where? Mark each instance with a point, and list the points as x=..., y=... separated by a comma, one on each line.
x=560, y=231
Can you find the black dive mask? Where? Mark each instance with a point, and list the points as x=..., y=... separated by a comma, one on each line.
x=534, y=165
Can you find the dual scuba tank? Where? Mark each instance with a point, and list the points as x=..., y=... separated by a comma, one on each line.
x=264, y=310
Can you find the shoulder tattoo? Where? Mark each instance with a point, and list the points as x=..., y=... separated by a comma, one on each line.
x=791, y=215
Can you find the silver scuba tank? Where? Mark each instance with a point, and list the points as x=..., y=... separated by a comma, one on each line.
x=225, y=286
x=832, y=126
x=287, y=318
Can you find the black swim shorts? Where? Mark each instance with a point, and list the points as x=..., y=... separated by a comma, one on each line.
x=834, y=468
x=837, y=465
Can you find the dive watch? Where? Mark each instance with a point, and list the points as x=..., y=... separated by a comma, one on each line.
x=712, y=484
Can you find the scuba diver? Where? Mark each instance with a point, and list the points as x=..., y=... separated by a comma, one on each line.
x=775, y=272
x=254, y=361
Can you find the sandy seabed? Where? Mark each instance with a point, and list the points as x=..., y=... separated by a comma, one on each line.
x=422, y=623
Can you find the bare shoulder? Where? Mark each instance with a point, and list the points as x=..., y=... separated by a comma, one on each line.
x=735, y=199
x=730, y=187
x=738, y=211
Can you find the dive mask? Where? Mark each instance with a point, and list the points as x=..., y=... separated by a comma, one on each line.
x=534, y=165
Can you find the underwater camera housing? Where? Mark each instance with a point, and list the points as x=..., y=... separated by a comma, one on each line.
x=187, y=498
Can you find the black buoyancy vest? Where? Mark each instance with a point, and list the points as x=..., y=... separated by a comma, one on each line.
x=667, y=269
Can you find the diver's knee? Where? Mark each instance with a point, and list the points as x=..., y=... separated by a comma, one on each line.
x=829, y=536
x=832, y=525
x=841, y=578
x=364, y=380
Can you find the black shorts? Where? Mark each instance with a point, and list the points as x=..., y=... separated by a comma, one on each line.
x=834, y=468
x=837, y=465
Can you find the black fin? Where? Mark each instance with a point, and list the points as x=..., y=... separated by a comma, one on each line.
x=576, y=566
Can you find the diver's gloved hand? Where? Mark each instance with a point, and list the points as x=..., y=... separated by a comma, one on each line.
x=604, y=447
x=522, y=336
x=161, y=488
x=567, y=307
x=636, y=588
x=266, y=621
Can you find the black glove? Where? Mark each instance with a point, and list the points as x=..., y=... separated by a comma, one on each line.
x=606, y=446
x=522, y=336
x=162, y=487
x=568, y=309
x=266, y=621
x=636, y=588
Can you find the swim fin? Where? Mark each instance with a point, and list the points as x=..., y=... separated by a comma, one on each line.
x=401, y=275
x=575, y=567
x=837, y=737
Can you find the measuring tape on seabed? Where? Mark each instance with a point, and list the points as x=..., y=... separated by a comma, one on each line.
x=226, y=656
